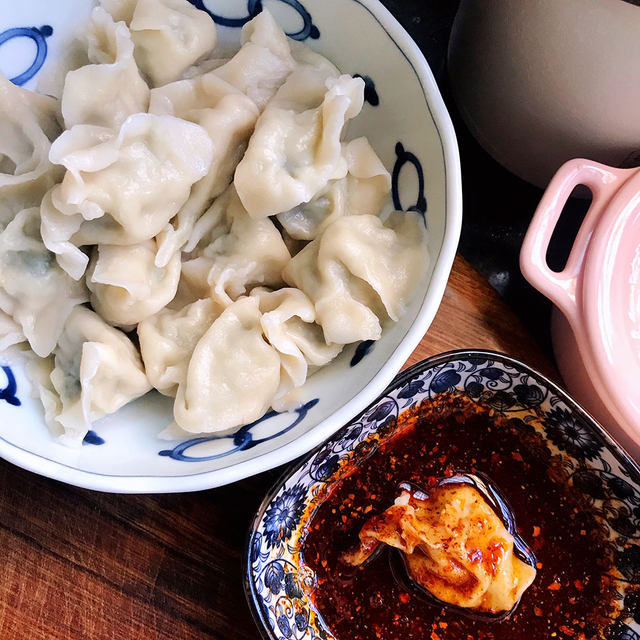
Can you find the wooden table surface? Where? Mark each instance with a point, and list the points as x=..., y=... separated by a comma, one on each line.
x=81, y=565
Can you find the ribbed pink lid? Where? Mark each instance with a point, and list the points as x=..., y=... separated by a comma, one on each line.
x=609, y=298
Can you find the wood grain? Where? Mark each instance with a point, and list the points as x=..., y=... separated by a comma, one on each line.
x=472, y=315
x=82, y=565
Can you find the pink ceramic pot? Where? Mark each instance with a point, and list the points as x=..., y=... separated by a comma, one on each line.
x=596, y=325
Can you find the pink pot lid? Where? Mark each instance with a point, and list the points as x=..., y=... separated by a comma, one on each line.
x=609, y=299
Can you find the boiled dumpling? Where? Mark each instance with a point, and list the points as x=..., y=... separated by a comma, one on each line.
x=454, y=546
x=126, y=286
x=233, y=374
x=108, y=92
x=34, y=290
x=359, y=271
x=368, y=181
x=295, y=150
x=241, y=252
x=137, y=179
x=228, y=116
x=10, y=332
x=120, y=10
x=97, y=370
x=263, y=62
x=288, y=324
x=266, y=59
x=28, y=124
x=39, y=373
x=169, y=35
x=168, y=339
x=56, y=230
x=363, y=190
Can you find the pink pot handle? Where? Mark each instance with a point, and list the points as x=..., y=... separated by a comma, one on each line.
x=560, y=287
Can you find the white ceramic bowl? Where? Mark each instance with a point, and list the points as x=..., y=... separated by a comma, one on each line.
x=408, y=125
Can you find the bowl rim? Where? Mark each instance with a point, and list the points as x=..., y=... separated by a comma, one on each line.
x=618, y=452
x=443, y=263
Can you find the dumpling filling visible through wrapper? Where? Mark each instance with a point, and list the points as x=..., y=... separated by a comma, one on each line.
x=454, y=546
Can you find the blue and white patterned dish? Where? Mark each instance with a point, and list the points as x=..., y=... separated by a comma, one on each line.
x=276, y=580
x=407, y=124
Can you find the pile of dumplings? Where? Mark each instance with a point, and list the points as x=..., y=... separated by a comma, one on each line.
x=176, y=221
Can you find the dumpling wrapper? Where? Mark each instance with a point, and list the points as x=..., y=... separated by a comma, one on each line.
x=167, y=340
x=169, y=35
x=360, y=270
x=121, y=188
x=233, y=252
x=95, y=371
x=288, y=324
x=364, y=190
x=296, y=150
x=228, y=116
x=454, y=546
x=233, y=374
x=126, y=286
x=263, y=62
x=10, y=332
x=108, y=92
x=29, y=122
x=34, y=290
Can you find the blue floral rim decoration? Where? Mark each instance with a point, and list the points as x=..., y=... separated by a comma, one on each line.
x=362, y=350
x=370, y=93
x=277, y=581
x=8, y=394
x=241, y=440
x=254, y=7
x=93, y=438
x=39, y=35
x=404, y=157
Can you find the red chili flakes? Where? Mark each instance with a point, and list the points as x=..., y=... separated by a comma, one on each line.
x=516, y=456
x=578, y=585
x=538, y=565
x=567, y=630
x=537, y=611
x=536, y=531
x=434, y=636
x=404, y=597
x=554, y=586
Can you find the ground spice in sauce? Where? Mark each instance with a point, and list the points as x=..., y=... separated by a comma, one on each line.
x=572, y=595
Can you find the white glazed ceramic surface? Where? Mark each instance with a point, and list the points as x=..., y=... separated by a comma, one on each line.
x=407, y=124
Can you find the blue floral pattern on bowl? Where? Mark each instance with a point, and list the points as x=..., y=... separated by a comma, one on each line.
x=8, y=394
x=254, y=7
x=277, y=582
x=39, y=36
